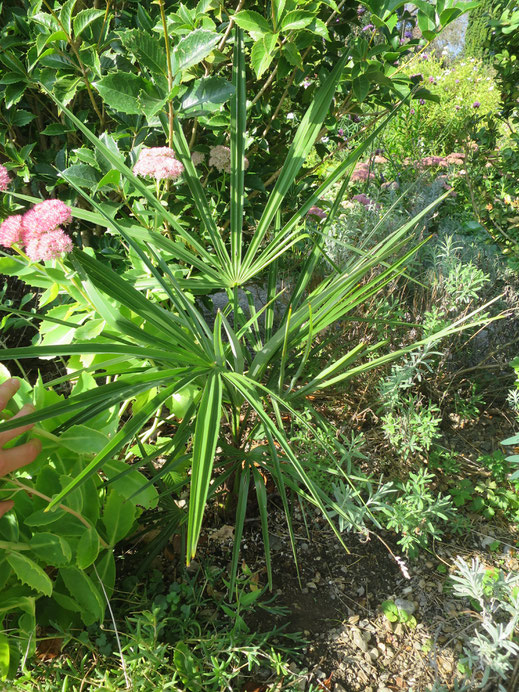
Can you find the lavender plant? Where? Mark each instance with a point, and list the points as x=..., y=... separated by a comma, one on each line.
x=492, y=649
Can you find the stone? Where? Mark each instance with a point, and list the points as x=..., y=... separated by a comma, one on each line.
x=359, y=641
x=406, y=605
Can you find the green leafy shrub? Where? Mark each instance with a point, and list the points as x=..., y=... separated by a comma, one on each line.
x=465, y=91
x=478, y=29
x=180, y=635
x=57, y=568
x=492, y=647
x=111, y=69
x=418, y=513
x=129, y=319
x=158, y=343
x=412, y=427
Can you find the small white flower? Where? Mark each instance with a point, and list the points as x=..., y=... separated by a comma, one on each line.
x=291, y=116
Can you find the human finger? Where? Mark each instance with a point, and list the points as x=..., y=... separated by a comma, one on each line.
x=5, y=507
x=7, y=390
x=11, y=434
x=15, y=458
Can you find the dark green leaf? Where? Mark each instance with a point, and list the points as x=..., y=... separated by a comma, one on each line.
x=263, y=52
x=120, y=91
x=28, y=572
x=253, y=23
x=83, y=440
x=84, y=19
x=193, y=48
x=87, y=548
x=81, y=175
x=361, y=87
x=297, y=19
x=55, y=129
x=206, y=94
x=148, y=50
x=65, y=16
x=85, y=593
x=51, y=549
x=118, y=517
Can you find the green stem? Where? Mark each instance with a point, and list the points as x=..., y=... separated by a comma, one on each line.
x=6, y=545
x=170, y=74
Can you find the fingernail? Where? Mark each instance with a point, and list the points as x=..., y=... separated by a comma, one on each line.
x=13, y=382
x=26, y=409
x=36, y=444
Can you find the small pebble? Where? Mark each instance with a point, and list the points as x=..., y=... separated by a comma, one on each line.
x=406, y=605
x=374, y=654
x=359, y=641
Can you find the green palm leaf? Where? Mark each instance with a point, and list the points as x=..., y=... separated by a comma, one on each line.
x=205, y=439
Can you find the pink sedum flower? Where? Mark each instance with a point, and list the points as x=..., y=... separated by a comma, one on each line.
x=48, y=246
x=220, y=158
x=11, y=231
x=4, y=178
x=159, y=163
x=361, y=173
x=365, y=201
x=316, y=212
x=45, y=217
x=362, y=199
x=197, y=158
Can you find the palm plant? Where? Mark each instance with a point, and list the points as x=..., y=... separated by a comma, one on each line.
x=243, y=372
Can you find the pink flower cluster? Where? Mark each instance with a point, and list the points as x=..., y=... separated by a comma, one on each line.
x=365, y=200
x=220, y=158
x=361, y=173
x=316, y=212
x=454, y=159
x=197, y=158
x=159, y=163
x=4, y=178
x=39, y=230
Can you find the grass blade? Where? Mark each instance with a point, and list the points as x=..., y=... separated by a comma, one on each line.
x=303, y=141
x=238, y=126
x=241, y=510
x=205, y=439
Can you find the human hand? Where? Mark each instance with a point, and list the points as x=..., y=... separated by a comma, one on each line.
x=16, y=457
